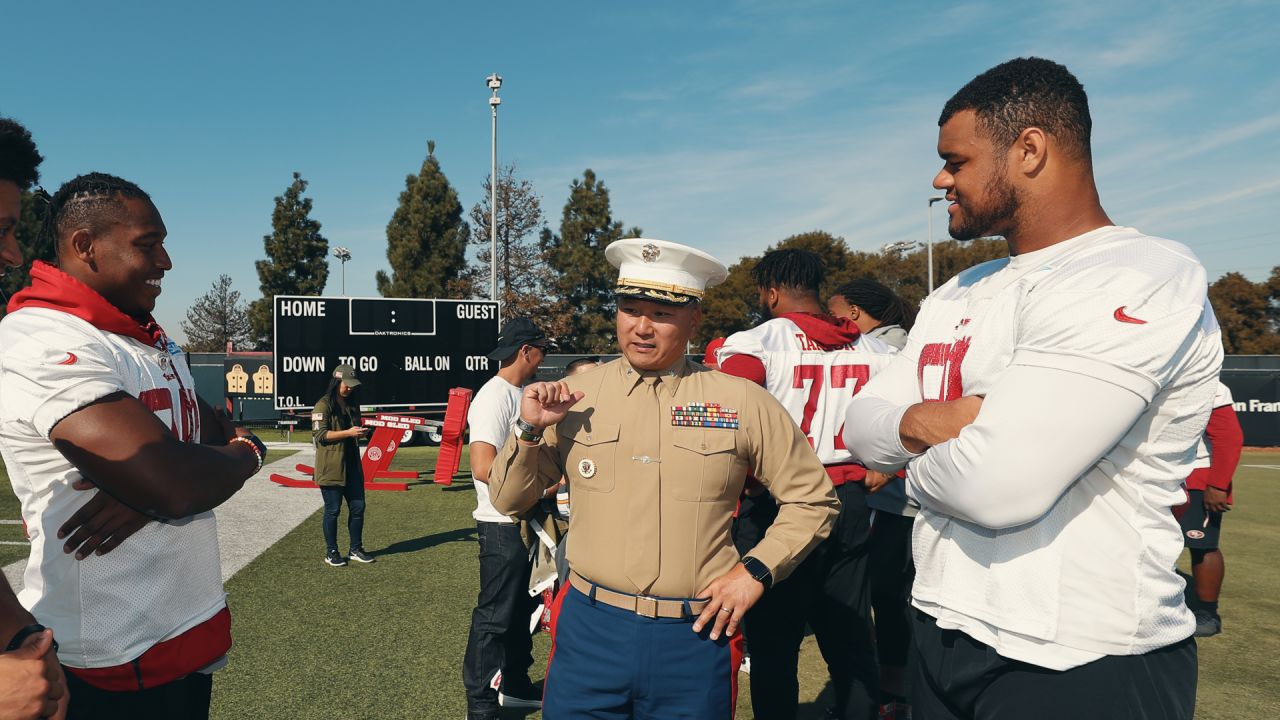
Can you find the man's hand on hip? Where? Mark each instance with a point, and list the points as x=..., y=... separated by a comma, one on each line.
x=546, y=403
x=1215, y=500
x=729, y=597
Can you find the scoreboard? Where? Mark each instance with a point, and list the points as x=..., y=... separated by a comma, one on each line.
x=405, y=351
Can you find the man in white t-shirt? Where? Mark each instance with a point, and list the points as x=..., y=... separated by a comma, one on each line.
x=813, y=364
x=1048, y=407
x=495, y=669
x=93, y=394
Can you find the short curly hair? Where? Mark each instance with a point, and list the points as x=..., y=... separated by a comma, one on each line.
x=19, y=159
x=1023, y=93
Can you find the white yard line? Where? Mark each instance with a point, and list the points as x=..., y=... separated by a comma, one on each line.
x=1264, y=467
x=253, y=520
x=10, y=522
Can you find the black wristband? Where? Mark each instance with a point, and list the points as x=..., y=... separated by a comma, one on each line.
x=26, y=632
x=527, y=432
x=758, y=571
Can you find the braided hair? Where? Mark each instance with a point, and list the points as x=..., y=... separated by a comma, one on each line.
x=19, y=159
x=790, y=269
x=878, y=301
x=91, y=201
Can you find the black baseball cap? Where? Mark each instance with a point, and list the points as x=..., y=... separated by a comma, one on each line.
x=518, y=332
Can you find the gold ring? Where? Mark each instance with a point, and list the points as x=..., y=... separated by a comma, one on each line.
x=725, y=609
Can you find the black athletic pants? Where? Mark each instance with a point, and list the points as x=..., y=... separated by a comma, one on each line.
x=828, y=591
x=891, y=574
x=183, y=699
x=955, y=677
x=499, y=638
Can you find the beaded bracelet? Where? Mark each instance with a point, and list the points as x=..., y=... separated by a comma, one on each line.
x=252, y=445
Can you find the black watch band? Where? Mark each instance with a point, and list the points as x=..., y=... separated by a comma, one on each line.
x=527, y=432
x=26, y=632
x=758, y=571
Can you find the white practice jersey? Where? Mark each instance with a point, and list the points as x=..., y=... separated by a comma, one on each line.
x=1094, y=575
x=814, y=385
x=166, y=578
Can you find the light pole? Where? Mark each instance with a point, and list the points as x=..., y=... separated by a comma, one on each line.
x=932, y=200
x=495, y=82
x=900, y=246
x=344, y=255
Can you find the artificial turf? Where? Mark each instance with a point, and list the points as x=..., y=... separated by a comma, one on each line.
x=386, y=640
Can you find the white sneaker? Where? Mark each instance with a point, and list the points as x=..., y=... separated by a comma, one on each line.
x=745, y=667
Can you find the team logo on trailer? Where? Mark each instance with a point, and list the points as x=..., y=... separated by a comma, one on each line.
x=375, y=453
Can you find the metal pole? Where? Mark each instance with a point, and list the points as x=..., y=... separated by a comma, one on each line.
x=932, y=200
x=494, y=82
x=344, y=278
x=493, y=212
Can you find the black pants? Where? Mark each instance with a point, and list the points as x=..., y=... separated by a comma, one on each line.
x=499, y=639
x=829, y=592
x=891, y=574
x=957, y=677
x=183, y=699
x=333, y=495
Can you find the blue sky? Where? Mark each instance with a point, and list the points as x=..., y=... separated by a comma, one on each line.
x=724, y=125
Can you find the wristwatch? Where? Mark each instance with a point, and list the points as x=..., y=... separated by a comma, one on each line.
x=26, y=632
x=758, y=571
x=526, y=432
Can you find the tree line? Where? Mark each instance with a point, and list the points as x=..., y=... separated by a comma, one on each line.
x=560, y=278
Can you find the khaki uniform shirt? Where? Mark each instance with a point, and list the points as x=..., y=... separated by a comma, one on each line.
x=655, y=473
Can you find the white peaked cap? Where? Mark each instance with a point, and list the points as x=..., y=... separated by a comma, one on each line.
x=663, y=271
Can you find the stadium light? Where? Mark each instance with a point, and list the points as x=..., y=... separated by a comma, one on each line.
x=899, y=247
x=494, y=82
x=344, y=255
x=932, y=200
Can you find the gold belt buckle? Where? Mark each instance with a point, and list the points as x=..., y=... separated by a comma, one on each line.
x=647, y=607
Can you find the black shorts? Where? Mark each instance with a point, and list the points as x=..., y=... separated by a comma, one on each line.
x=1200, y=527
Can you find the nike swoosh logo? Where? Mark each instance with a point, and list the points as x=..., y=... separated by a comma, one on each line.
x=1122, y=317
x=70, y=360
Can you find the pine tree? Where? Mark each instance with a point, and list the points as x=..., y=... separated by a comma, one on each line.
x=297, y=258
x=584, y=279
x=217, y=317
x=33, y=242
x=426, y=238
x=525, y=279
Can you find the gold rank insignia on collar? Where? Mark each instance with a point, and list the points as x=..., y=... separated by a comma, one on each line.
x=701, y=414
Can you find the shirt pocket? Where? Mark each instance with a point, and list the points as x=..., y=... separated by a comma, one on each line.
x=592, y=462
x=704, y=460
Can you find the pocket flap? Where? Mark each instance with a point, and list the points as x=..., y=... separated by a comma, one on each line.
x=597, y=435
x=705, y=442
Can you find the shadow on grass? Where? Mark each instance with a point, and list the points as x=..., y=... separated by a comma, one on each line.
x=466, y=534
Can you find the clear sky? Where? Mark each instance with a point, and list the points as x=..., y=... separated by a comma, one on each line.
x=724, y=125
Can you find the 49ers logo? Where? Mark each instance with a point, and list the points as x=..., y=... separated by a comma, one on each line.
x=939, y=370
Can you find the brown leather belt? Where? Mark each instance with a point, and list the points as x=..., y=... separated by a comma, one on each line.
x=641, y=605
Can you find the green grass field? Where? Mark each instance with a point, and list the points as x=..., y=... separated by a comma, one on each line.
x=386, y=640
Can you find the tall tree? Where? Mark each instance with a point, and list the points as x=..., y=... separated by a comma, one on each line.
x=584, y=279
x=525, y=279
x=33, y=242
x=426, y=238
x=1246, y=314
x=297, y=258
x=218, y=317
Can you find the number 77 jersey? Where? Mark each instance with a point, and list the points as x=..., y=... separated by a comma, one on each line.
x=812, y=366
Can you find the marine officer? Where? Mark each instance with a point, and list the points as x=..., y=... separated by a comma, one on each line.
x=657, y=449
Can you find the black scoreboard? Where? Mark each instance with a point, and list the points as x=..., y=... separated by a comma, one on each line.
x=405, y=352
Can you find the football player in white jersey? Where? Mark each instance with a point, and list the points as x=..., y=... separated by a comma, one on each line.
x=1048, y=406
x=31, y=680
x=93, y=394
x=813, y=364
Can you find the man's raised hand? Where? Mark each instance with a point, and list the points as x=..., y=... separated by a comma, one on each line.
x=546, y=403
